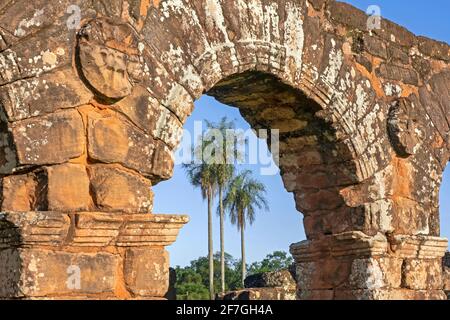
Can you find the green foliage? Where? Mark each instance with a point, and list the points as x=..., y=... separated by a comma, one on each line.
x=213, y=173
x=244, y=195
x=190, y=285
x=192, y=281
x=272, y=262
x=222, y=150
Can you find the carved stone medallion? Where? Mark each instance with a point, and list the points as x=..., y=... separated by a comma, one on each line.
x=108, y=57
x=405, y=132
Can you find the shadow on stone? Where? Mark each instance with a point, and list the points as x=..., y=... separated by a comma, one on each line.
x=276, y=285
x=10, y=260
x=172, y=291
x=446, y=273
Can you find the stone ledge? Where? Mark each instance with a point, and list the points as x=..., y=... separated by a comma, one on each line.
x=109, y=256
x=422, y=247
x=259, y=294
x=38, y=272
x=358, y=244
x=41, y=273
x=446, y=259
x=367, y=294
x=89, y=297
x=340, y=245
x=88, y=229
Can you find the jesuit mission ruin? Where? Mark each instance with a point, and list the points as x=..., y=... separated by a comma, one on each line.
x=91, y=116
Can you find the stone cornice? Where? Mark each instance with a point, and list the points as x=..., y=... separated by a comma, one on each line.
x=88, y=229
x=357, y=244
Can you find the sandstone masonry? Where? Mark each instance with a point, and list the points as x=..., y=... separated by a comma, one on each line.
x=91, y=115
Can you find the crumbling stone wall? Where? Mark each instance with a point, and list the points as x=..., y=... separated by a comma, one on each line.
x=91, y=116
x=446, y=273
x=275, y=285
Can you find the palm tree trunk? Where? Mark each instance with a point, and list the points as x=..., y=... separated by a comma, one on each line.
x=243, y=254
x=210, y=247
x=222, y=241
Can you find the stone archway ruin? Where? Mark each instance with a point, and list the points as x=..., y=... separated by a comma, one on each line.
x=90, y=118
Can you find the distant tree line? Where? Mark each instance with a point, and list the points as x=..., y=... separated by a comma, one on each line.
x=193, y=280
x=241, y=196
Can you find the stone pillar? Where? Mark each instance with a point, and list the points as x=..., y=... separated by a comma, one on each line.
x=80, y=153
x=353, y=265
x=90, y=116
x=86, y=255
x=446, y=274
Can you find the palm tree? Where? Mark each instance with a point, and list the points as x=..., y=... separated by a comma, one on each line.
x=244, y=195
x=203, y=176
x=224, y=173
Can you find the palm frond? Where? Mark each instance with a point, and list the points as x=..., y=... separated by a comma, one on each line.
x=243, y=197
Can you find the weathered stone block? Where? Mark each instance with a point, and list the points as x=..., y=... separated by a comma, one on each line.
x=392, y=32
x=51, y=139
x=36, y=13
x=281, y=278
x=28, y=98
x=117, y=190
x=305, y=294
x=34, y=228
x=40, y=273
x=347, y=14
x=324, y=222
x=41, y=52
x=132, y=148
x=388, y=294
x=375, y=273
x=398, y=54
x=394, y=72
x=422, y=274
x=322, y=274
x=309, y=158
x=147, y=272
x=323, y=199
x=375, y=46
x=163, y=162
x=433, y=48
x=150, y=115
x=421, y=65
x=68, y=188
x=315, y=179
x=55, y=188
x=259, y=294
x=440, y=87
x=19, y=193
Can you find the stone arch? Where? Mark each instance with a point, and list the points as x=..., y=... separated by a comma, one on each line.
x=314, y=165
x=103, y=106
x=444, y=187
x=326, y=76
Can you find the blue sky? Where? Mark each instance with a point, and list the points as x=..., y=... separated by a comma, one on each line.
x=280, y=227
